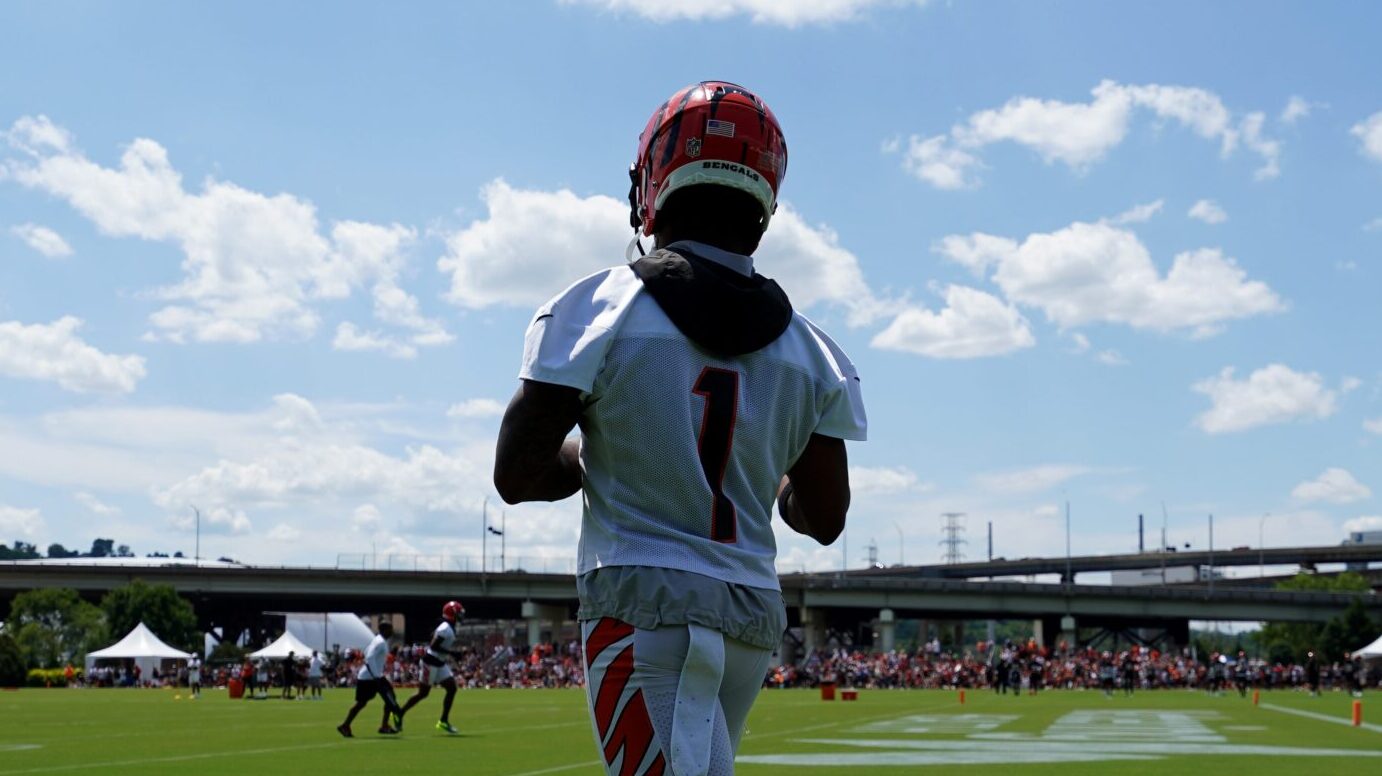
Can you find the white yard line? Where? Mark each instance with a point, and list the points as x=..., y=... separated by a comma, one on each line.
x=1321, y=717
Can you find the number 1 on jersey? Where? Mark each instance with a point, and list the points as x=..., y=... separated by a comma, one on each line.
x=720, y=389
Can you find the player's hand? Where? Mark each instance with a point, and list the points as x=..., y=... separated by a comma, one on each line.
x=784, y=507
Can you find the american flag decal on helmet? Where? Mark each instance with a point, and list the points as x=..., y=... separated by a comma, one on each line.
x=718, y=127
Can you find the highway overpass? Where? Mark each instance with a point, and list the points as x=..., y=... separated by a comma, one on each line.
x=1306, y=557
x=234, y=598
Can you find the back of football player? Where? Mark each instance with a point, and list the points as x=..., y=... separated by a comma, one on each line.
x=705, y=403
x=436, y=667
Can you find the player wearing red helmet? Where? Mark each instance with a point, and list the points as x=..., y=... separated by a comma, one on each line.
x=436, y=668
x=705, y=404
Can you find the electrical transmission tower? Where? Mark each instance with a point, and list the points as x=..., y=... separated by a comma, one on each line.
x=953, y=530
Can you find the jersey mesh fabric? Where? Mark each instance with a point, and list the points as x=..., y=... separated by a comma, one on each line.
x=447, y=634
x=648, y=497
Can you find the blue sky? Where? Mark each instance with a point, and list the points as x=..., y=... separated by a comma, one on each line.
x=277, y=262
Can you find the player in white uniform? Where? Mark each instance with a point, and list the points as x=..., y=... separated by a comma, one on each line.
x=702, y=400
x=371, y=681
x=194, y=676
x=314, y=675
x=436, y=667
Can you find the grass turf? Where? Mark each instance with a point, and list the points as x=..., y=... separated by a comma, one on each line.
x=532, y=732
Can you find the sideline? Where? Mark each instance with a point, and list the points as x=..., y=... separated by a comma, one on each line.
x=176, y=758
x=1321, y=717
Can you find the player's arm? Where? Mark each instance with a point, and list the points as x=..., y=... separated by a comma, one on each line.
x=534, y=461
x=814, y=496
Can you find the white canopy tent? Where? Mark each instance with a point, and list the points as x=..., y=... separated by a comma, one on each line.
x=1371, y=651
x=326, y=630
x=281, y=647
x=140, y=645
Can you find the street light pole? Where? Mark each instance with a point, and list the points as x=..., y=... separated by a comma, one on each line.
x=1261, y=550
x=900, y=560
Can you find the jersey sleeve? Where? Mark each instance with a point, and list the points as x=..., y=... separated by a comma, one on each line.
x=842, y=415
x=568, y=338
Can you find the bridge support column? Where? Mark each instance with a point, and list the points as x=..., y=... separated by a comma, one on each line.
x=1069, y=632
x=887, y=630
x=812, y=630
x=539, y=614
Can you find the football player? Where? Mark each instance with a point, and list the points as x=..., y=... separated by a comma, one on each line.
x=373, y=680
x=436, y=668
x=705, y=404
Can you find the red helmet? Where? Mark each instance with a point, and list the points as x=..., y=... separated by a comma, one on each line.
x=710, y=132
x=452, y=611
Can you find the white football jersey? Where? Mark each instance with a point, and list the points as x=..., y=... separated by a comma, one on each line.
x=447, y=634
x=376, y=655
x=683, y=449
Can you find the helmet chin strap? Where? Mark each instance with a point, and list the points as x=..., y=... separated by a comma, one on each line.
x=628, y=251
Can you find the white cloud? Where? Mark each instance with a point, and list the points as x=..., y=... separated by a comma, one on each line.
x=1081, y=345
x=55, y=352
x=1139, y=213
x=1087, y=273
x=1373, y=426
x=42, y=239
x=940, y=164
x=254, y=265
x=1078, y=134
x=1363, y=523
x=300, y=472
x=1373, y=225
x=975, y=252
x=1296, y=109
x=476, y=408
x=1271, y=395
x=534, y=243
x=531, y=245
x=96, y=505
x=16, y=522
x=350, y=338
x=1110, y=358
x=973, y=324
x=284, y=533
x=1208, y=211
x=1334, y=485
x=366, y=516
x=1369, y=133
x=880, y=480
x=783, y=13
x=1033, y=480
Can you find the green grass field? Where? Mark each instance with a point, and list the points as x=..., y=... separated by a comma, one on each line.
x=532, y=732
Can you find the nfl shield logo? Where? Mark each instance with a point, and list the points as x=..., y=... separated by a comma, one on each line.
x=693, y=147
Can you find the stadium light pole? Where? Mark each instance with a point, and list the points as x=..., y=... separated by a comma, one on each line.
x=197, y=554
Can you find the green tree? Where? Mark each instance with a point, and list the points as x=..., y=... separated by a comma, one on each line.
x=158, y=606
x=102, y=548
x=11, y=662
x=56, y=550
x=20, y=551
x=1329, y=640
x=54, y=626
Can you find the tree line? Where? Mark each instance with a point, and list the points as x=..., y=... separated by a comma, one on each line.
x=52, y=627
x=100, y=548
